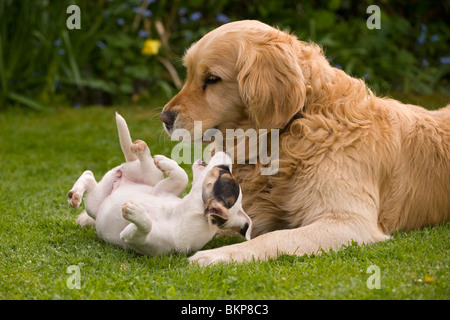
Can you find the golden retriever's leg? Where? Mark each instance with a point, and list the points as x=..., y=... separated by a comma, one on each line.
x=322, y=234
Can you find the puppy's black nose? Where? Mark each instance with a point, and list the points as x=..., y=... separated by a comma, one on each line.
x=244, y=229
x=168, y=118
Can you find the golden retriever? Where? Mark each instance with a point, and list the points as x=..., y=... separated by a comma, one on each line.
x=352, y=166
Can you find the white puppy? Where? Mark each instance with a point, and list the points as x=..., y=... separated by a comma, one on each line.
x=134, y=207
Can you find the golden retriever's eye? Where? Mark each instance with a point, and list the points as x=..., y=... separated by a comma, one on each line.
x=210, y=80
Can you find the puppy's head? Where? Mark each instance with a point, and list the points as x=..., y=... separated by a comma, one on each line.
x=221, y=195
x=241, y=71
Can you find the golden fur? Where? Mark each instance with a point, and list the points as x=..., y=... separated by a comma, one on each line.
x=355, y=167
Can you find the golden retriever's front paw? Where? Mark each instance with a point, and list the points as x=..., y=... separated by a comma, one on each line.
x=206, y=258
x=226, y=254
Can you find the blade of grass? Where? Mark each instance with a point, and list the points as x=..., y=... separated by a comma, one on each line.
x=72, y=61
x=2, y=75
x=27, y=102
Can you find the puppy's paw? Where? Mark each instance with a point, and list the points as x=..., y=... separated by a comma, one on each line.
x=139, y=147
x=84, y=219
x=129, y=210
x=165, y=164
x=132, y=211
x=135, y=213
x=74, y=199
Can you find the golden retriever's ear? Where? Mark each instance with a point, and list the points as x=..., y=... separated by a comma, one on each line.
x=270, y=80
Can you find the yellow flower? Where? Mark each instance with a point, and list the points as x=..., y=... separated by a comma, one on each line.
x=151, y=47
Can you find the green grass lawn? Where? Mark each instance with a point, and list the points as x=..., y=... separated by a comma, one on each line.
x=41, y=156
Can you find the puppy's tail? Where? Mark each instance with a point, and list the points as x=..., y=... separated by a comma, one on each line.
x=124, y=138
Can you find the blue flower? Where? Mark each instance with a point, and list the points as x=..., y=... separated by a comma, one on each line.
x=423, y=35
x=422, y=38
x=143, y=33
x=338, y=66
x=120, y=21
x=425, y=63
x=434, y=38
x=57, y=42
x=145, y=13
x=101, y=44
x=366, y=76
x=445, y=60
x=182, y=11
x=62, y=52
x=196, y=16
x=188, y=36
x=221, y=18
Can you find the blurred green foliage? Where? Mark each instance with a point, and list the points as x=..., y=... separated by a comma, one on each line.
x=44, y=64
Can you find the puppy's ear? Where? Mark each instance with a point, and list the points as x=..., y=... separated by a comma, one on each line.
x=271, y=83
x=246, y=231
x=216, y=213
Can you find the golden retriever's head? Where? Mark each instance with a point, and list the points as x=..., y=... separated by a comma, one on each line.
x=242, y=71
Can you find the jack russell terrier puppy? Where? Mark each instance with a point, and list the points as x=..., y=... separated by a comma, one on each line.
x=135, y=207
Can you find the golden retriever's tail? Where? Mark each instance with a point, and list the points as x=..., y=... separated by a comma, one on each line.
x=124, y=138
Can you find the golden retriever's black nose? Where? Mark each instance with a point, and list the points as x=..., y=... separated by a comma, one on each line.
x=168, y=118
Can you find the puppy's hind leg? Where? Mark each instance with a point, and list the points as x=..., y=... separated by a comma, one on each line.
x=135, y=234
x=84, y=219
x=152, y=174
x=86, y=182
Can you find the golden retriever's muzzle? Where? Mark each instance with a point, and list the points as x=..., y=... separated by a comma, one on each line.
x=168, y=119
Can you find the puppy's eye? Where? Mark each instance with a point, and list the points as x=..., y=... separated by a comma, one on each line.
x=210, y=80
